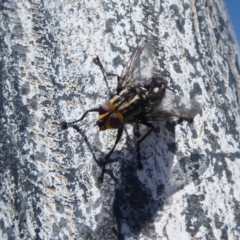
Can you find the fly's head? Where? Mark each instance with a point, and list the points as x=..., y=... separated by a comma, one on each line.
x=108, y=118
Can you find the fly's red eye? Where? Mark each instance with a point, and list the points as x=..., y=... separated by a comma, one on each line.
x=114, y=121
x=103, y=109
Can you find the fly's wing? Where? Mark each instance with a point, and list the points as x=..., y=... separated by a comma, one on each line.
x=139, y=69
x=173, y=106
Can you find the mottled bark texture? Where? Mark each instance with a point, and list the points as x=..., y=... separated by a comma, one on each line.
x=189, y=185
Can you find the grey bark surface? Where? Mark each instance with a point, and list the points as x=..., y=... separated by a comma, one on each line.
x=189, y=185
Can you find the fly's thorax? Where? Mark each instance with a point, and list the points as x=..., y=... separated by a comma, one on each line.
x=130, y=102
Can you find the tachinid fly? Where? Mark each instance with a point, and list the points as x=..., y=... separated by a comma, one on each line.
x=140, y=97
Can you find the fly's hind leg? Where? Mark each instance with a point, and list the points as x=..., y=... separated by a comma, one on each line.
x=149, y=125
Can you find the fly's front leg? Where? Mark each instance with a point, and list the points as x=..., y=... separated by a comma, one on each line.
x=119, y=134
x=140, y=141
x=64, y=125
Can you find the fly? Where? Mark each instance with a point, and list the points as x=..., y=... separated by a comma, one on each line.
x=140, y=98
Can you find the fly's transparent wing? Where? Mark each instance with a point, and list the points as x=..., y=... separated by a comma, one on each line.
x=173, y=106
x=139, y=69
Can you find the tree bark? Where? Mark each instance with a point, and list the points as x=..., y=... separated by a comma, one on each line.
x=189, y=185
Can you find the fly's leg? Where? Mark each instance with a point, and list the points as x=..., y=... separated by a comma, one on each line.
x=97, y=61
x=190, y=120
x=64, y=124
x=181, y=119
x=139, y=142
x=119, y=134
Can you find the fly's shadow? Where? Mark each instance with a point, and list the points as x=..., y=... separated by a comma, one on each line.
x=141, y=195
